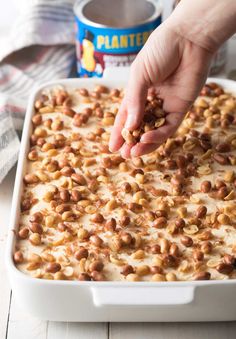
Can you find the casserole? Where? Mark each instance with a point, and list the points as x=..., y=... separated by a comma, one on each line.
x=112, y=301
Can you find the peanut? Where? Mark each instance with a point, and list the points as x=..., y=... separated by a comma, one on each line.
x=18, y=257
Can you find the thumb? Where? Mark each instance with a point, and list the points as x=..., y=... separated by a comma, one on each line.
x=136, y=94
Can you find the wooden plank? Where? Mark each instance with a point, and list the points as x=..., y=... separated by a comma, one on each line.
x=88, y=330
x=6, y=189
x=213, y=330
x=77, y=330
x=22, y=325
x=58, y=330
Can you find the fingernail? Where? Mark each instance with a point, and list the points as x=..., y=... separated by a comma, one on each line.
x=132, y=118
x=111, y=147
x=129, y=122
x=143, y=140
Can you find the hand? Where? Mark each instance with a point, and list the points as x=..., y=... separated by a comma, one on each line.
x=177, y=69
x=175, y=61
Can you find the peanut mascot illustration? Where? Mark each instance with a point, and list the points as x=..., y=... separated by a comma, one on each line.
x=89, y=64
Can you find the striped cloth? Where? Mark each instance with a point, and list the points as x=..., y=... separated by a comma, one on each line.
x=40, y=48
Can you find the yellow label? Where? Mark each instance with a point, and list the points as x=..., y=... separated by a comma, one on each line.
x=122, y=41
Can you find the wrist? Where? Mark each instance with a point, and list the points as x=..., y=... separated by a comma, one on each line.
x=205, y=23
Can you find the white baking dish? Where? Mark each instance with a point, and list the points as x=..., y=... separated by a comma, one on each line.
x=113, y=301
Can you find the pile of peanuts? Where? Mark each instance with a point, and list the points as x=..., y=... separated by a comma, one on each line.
x=89, y=215
x=154, y=117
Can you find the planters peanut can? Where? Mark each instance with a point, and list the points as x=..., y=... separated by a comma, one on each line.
x=111, y=33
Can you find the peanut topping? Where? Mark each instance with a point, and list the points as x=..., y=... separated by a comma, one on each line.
x=96, y=240
x=84, y=277
x=201, y=212
x=206, y=186
x=96, y=266
x=186, y=241
x=89, y=215
x=81, y=253
x=127, y=269
x=23, y=233
x=18, y=257
x=79, y=179
x=202, y=276
x=97, y=218
x=53, y=267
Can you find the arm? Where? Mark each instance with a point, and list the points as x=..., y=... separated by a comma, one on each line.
x=206, y=23
x=175, y=60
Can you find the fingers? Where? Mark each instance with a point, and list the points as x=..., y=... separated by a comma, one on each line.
x=160, y=135
x=132, y=107
x=116, y=139
x=125, y=151
x=129, y=151
x=150, y=141
x=141, y=149
x=136, y=94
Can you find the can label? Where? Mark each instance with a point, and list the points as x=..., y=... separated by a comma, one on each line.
x=99, y=47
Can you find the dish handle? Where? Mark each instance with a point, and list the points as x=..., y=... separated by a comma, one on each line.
x=143, y=296
x=117, y=73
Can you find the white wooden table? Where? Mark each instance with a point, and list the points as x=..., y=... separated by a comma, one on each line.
x=16, y=324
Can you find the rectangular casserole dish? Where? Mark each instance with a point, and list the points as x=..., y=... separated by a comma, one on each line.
x=112, y=301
